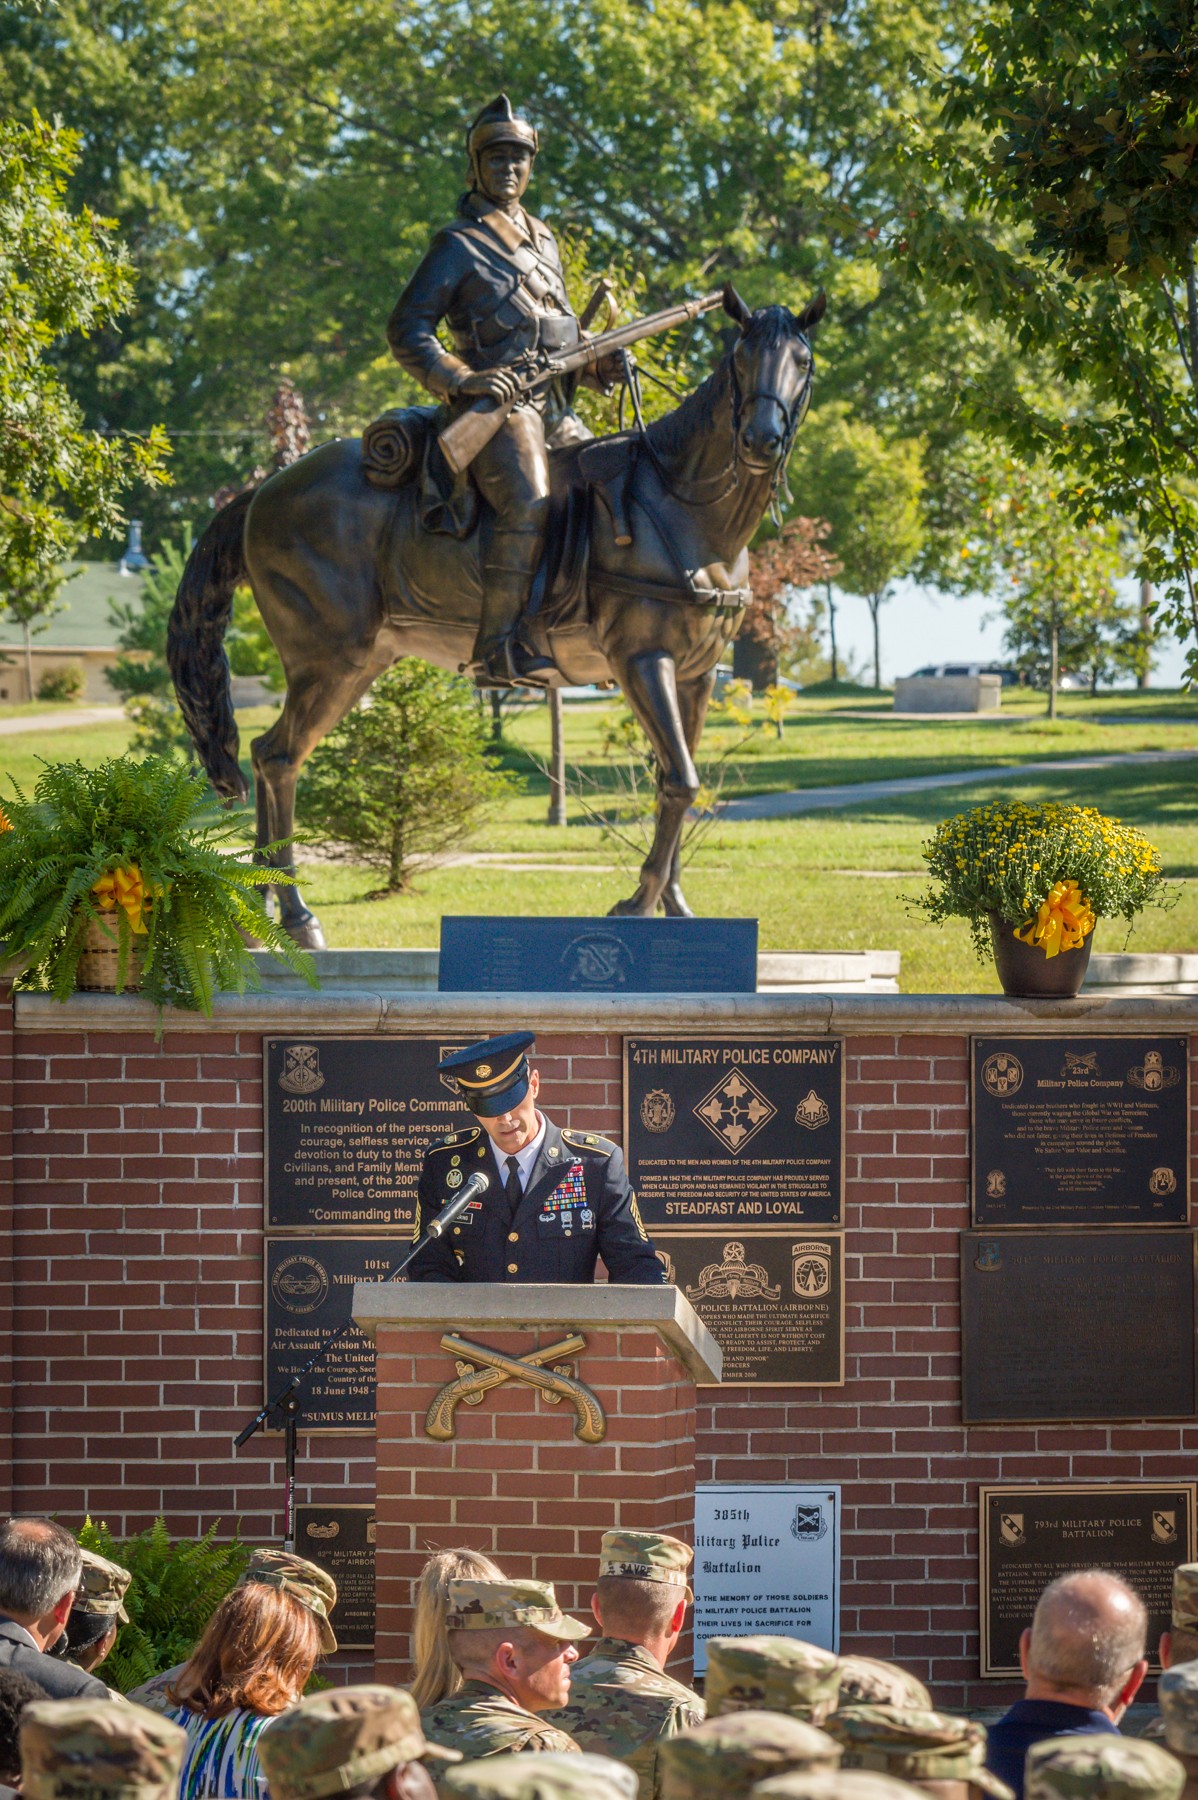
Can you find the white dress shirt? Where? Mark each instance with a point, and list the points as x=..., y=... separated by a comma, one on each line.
x=524, y=1158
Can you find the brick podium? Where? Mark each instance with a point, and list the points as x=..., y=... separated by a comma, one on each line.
x=514, y=1480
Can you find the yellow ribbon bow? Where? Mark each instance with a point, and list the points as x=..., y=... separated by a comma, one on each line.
x=126, y=889
x=5, y=821
x=1062, y=923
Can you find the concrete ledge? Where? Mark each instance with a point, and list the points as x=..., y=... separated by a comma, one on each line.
x=605, y=1306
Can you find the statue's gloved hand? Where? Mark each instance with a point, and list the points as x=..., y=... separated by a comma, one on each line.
x=495, y=384
x=609, y=371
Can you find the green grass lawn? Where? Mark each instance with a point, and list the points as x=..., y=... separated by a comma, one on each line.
x=834, y=880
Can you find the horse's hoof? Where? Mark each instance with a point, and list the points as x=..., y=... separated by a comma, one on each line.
x=306, y=933
x=673, y=904
x=630, y=909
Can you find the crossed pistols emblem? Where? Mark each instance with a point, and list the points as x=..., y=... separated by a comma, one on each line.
x=480, y=1370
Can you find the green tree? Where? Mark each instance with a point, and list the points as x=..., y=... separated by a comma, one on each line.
x=30, y=599
x=61, y=273
x=869, y=488
x=405, y=775
x=140, y=674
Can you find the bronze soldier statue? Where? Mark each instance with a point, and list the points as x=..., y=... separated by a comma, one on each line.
x=495, y=276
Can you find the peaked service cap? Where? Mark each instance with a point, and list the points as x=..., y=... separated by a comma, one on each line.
x=312, y=1587
x=1101, y=1764
x=486, y=1605
x=646, y=1556
x=99, y=1749
x=491, y=1077
x=777, y=1674
x=343, y=1738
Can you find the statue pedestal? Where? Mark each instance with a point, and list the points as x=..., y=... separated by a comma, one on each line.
x=515, y=1480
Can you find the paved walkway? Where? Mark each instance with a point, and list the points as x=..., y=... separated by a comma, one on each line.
x=824, y=799
x=59, y=721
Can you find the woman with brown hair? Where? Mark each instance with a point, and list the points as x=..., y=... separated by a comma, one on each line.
x=436, y=1675
x=258, y=1650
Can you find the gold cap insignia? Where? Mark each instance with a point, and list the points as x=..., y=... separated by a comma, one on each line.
x=482, y=1071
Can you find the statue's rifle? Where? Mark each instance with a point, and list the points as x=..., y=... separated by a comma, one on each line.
x=463, y=438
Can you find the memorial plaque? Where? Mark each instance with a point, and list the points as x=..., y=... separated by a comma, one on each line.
x=767, y=1559
x=1081, y=1131
x=348, y=1121
x=729, y=1129
x=598, y=956
x=773, y=1300
x=1030, y=1535
x=310, y=1293
x=1076, y=1325
x=340, y=1540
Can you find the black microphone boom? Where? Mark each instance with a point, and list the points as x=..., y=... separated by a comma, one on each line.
x=477, y=1184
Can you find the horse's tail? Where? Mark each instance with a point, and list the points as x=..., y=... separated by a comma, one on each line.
x=195, y=645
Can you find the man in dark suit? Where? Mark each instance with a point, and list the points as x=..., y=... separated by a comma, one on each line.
x=40, y=1568
x=558, y=1199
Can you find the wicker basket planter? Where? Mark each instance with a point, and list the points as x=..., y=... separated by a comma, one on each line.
x=98, y=964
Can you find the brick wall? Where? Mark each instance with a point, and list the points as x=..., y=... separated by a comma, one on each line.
x=137, y=1247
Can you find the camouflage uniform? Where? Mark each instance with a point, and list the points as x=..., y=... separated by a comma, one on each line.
x=934, y=1751
x=622, y=1702
x=838, y=1784
x=1184, y=1619
x=772, y=1674
x=342, y=1739
x=480, y=1719
x=100, y=1594
x=1101, y=1766
x=866, y=1681
x=730, y=1756
x=1177, y=1692
x=78, y=1749
x=545, y=1777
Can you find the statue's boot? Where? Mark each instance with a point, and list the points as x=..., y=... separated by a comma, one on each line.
x=497, y=659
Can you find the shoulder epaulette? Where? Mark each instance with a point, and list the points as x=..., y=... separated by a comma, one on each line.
x=589, y=1140
x=458, y=1139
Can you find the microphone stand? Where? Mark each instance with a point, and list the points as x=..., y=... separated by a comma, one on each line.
x=282, y=1411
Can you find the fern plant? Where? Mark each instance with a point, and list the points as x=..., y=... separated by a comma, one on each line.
x=183, y=891
x=176, y=1586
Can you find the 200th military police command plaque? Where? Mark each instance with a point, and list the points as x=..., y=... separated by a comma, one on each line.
x=735, y=1148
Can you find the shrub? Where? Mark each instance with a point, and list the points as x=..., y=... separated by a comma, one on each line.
x=66, y=682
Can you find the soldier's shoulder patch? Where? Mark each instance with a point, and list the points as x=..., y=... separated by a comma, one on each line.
x=457, y=1140
x=589, y=1140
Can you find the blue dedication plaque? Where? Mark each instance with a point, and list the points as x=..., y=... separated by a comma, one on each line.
x=598, y=956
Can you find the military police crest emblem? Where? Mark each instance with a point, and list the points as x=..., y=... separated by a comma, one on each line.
x=809, y=1523
x=301, y=1069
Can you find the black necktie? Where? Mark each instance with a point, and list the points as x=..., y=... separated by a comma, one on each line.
x=512, y=1186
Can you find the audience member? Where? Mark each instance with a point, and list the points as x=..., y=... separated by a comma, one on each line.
x=362, y=1743
x=514, y=1647
x=936, y=1752
x=729, y=1756
x=434, y=1675
x=84, y=1749
x=867, y=1681
x=770, y=1674
x=541, y=1777
x=622, y=1703
x=837, y=1784
x=16, y=1693
x=40, y=1566
x=1107, y=1767
x=97, y=1614
x=1180, y=1643
x=1177, y=1692
x=1083, y=1662
x=252, y=1663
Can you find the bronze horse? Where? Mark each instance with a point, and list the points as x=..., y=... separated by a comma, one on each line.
x=347, y=581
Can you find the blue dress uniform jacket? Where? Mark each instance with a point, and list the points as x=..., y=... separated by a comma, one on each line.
x=577, y=1206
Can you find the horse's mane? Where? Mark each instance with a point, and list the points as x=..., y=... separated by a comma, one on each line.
x=671, y=433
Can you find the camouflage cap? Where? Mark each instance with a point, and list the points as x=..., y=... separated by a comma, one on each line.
x=1177, y=1692
x=915, y=1745
x=835, y=1784
x=775, y=1674
x=537, y=1775
x=729, y=1756
x=102, y=1587
x=312, y=1587
x=866, y=1681
x=646, y=1556
x=1101, y=1763
x=341, y=1738
x=1185, y=1597
x=485, y=1605
x=99, y=1750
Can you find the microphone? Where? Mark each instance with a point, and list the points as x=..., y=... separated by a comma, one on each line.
x=477, y=1184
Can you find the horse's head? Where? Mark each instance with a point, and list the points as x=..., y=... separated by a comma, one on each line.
x=772, y=370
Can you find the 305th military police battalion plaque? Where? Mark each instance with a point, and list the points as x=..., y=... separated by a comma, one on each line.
x=1081, y=1131
x=1030, y=1535
x=735, y=1130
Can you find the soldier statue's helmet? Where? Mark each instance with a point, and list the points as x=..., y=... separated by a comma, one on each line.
x=497, y=123
x=493, y=1076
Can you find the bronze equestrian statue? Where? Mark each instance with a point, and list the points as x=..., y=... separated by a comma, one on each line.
x=641, y=566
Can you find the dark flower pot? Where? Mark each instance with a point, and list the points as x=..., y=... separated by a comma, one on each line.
x=1027, y=974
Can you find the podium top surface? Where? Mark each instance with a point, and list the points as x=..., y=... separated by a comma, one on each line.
x=508, y=1306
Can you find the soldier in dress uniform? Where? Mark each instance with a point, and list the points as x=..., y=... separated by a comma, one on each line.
x=622, y=1702
x=494, y=275
x=514, y=1646
x=558, y=1201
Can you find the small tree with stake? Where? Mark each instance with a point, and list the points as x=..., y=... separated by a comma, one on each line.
x=405, y=775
